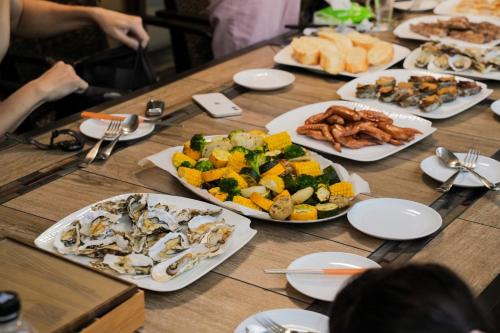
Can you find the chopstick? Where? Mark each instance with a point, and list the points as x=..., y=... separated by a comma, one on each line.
x=325, y=271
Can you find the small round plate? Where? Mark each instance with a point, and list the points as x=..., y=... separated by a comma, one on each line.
x=394, y=219
x=263, y=79
x=325, y=287
x=290, y=318
x=95, y=129
x=485, y=166
x=424, y=5
x=495, y=107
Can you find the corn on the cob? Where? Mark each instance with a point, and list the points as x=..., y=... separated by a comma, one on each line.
x=311, y=168
x=219, y=157
x=245, y=202
x=179, y=157
x=276, y=170
x=215, y=191
x=258, y=132
x=192, y=176
x=343, y=188
x=236, y=161
x=282, y=193
x=261, y=201
x=278, y=141
x=230, y=173
x=304, y=212
x=211, y=175
x=274, y=183
x=194, y=154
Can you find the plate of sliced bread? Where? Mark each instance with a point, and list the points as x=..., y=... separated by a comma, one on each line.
x=351, y=54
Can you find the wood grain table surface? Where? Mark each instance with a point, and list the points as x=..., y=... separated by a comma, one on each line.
x=238, y=288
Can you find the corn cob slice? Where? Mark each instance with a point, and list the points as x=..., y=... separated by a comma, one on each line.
x=230, y=173
x=179, y=157
x=274, y=183
x=343, y=188
x=304, y=212
x=215, y=191
x=194, y=154
x=219, y=157
x=236, y=161
x=278, y=141
x=211, y=175
x=261, y=201
x=245, y=202
x=311, y=168
x=282, y=193
x=192, y=176
x=276, y=170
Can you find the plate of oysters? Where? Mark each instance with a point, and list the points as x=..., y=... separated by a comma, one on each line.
x=437, y=57
x=159, y=242
x=423, y=93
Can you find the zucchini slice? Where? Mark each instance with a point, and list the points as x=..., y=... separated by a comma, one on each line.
x=250, y=175
x=302, y=195
x=268, y=166
x=327, y=210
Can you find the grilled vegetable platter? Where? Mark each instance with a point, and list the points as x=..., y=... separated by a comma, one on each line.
x=262, y=175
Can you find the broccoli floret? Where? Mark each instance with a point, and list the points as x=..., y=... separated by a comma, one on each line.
x=204, y=165
x=198, y=142
x=290, y=183
x=240, y=149
x=186, y=164
x=232, y=133
x=229, y=186
x=328, y=177
x=255, y=159
x=304, y=181
x=293, y=151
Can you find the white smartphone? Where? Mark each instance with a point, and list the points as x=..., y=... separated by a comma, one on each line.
x=217, y=105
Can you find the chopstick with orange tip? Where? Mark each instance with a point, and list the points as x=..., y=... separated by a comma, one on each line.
x=324, y=271
x=105, y=116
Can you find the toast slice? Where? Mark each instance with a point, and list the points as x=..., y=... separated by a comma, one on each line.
x=306, y=49
x=356, y=60
x=342, y=43
x=331, y=60
x=362, y=40
x=380, y=53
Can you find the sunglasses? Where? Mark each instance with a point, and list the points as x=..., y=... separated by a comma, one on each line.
x=64, y=140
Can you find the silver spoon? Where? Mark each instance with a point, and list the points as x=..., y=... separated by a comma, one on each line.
x=129, y=125
x=452, y=161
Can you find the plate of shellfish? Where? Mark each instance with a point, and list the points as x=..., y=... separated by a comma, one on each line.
x=352, y=130
x=437, y=57
x=422, y=93
x=159, y=242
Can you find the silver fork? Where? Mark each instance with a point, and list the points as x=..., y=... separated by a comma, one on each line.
x=111, y=132
x=447, y=184
x=273, y=327
x=483, y=179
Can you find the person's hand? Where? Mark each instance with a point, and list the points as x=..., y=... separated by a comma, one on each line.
x=58, y=82
x=124, y=28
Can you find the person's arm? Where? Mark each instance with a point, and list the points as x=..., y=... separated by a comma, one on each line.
x=57, y=82
x=44, y=19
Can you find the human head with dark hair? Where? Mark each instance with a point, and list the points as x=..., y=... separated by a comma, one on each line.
x=411, y=299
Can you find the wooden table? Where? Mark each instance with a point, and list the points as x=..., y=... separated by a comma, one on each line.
x=238, y=288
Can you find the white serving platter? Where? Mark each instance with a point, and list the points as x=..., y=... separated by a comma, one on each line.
x=242, y=234
x=284, y=57
x=447, y=7
x=292, y=119
x=163, y=160
x=403, y=30
x=447, y=110
x=410, y=60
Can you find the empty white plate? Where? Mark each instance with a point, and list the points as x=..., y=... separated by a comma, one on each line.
x=495, y=107
x=485, y=166
x=263, y=79
x=325, y=287
x=394, y=219
x=95, y=129
x=290, y=318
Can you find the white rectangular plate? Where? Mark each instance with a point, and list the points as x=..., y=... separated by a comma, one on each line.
x=163, y=160
x=411, y=59
x=447, y=7
x=403, y=30
x=242, y=234
x=447, y=110
x=284, y=57
x=291, y=120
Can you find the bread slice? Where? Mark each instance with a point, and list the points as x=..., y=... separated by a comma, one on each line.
x=306, y=49
x=331, y=60
x=342, y=42
x=380, y=53
x=356, y=60
x=362, y=40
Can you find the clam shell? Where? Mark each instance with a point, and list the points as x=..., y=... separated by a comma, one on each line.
x=459, y=62
x=158, y=251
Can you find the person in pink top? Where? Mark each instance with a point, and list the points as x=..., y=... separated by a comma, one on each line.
x=240, y=23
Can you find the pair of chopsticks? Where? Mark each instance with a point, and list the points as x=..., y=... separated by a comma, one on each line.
x=323, y=271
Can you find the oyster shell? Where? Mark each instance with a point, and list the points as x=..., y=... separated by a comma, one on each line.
x=95, y=223
x=68, y=239
x=423, y=59
x=168, y=246
x=215, y=240
x=438, y=63
x=170, y=268
x=200, y=225
x=117, y=207
x=99, y=247
x=492, y=57
x=156, y=220
x=459, y=62
x=136, y=204
x=134, y=263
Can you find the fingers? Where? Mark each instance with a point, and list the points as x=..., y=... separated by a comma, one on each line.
x=137, y=29
x=122, y=36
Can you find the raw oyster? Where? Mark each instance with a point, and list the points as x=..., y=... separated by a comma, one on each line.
x=95, y=223
x=68, y=239
x=136, y=204
x=215, y=240
x=493, y=57
x=156, y=220
x=423, y=59
x=118, y=207
x=439, y=63
x=200, y=225
x=459, y=62
x=99, y=247
x=168, y=246
x=170, y=268
x=134, y=263
x=186, y=214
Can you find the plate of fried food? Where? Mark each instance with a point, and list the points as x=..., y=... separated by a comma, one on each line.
x=470, y=31
x=423, y=93
x=437, y=57
x=263, y=176
x=159, y=242
x=468, y=7
x=351, y=54
x=352, y=130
